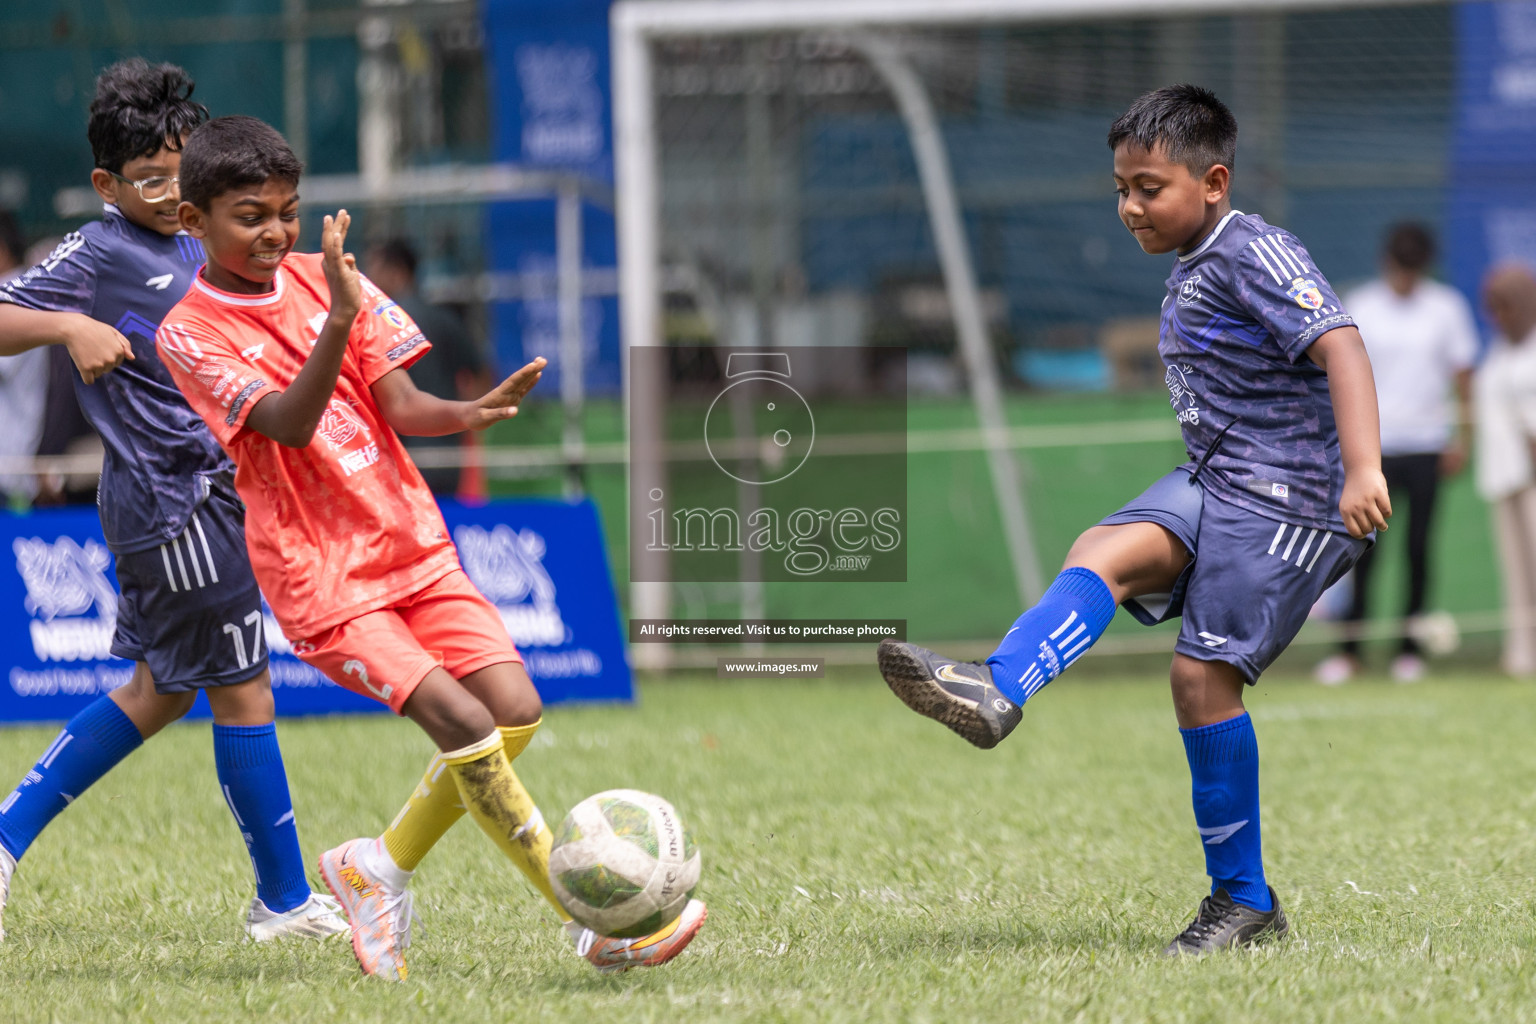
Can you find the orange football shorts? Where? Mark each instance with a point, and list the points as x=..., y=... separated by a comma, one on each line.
x=386, y=653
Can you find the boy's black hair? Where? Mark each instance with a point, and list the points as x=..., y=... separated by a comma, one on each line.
x=1410, y=246
x=397, y=252
x=1195, y=128
x=234, y=152
x=139, y=108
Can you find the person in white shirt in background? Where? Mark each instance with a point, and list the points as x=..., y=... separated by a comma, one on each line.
x=1422, y=340
x=1505, y=392
x=23, y=387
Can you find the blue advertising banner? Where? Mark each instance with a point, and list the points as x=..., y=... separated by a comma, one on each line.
x=541, y=563
x=549, y=67
x=1492, y=213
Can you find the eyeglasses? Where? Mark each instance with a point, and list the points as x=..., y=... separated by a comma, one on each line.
x=151, y=190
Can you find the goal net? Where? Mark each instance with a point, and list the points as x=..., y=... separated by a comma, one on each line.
x=773, y=192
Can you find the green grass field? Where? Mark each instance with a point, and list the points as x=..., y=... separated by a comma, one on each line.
x=860, y=863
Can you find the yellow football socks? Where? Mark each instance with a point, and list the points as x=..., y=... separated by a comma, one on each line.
x=515, y=738
x=436, y=803
x=430, y=812
x=503, y=809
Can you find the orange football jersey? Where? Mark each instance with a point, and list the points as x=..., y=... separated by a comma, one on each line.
x=345, y=525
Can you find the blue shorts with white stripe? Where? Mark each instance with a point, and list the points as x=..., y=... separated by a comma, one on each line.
x=1252, y=581
x=190, y=608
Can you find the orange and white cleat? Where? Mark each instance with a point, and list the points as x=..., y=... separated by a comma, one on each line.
x=610, y=956
x=379, y=914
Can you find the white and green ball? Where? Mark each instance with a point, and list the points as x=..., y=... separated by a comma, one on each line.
x=623, y=864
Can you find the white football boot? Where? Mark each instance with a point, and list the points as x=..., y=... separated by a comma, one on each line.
x=318, y=917
x=7, y=869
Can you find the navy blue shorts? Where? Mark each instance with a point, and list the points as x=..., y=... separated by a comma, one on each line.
x=1251, y=582
x=190, y=608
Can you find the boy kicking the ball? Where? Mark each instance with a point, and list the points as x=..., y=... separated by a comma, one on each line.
x=298, y=365
x=1272, y=389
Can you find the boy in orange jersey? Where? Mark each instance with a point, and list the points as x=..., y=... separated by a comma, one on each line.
x=297, y=363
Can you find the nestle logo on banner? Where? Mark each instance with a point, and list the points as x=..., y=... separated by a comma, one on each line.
x=65, y=581
x=507, y=565
x=508, y=568
x=562, y=103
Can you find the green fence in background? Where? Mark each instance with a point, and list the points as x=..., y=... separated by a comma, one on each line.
x=959, y=586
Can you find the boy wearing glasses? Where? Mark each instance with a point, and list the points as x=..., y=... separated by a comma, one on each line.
x=189, y=614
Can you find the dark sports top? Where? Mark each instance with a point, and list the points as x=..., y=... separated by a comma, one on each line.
x=160, y=459
x=1241, y=311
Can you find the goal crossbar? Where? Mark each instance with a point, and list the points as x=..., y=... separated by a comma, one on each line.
x=658, y=18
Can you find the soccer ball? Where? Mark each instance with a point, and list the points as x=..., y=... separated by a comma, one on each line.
x=622, y=863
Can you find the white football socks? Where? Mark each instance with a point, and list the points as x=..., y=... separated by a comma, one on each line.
x=377, y=862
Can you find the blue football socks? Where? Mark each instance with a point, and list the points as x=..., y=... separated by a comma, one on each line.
x=1071, y=616
x=1224, y=771
x=250, y=766
x=93, y=741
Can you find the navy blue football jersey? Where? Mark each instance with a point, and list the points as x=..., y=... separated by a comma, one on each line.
x=160, y=458
x=1241, y=311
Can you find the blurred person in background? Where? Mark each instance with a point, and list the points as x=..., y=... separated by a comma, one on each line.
x=23, y=387
x=1505, y=394
x=454, y=369
x=1422, y=341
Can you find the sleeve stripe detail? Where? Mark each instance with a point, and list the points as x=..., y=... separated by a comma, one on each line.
x=178, y=344
x=72, y=241
x=1281, y=271
x=1290, y=253
x=1259, y=252
x=240, y=400
x=1287, y=268
x=406, y=347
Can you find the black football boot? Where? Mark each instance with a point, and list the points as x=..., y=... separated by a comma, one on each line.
x=959, y=694
x=1223, y=924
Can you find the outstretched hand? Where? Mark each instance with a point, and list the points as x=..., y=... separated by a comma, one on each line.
x=341, y=268
x=502, y=401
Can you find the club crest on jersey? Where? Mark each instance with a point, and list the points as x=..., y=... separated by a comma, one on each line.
x=1306, y=293
x=391, y=312
x=1189, y=291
